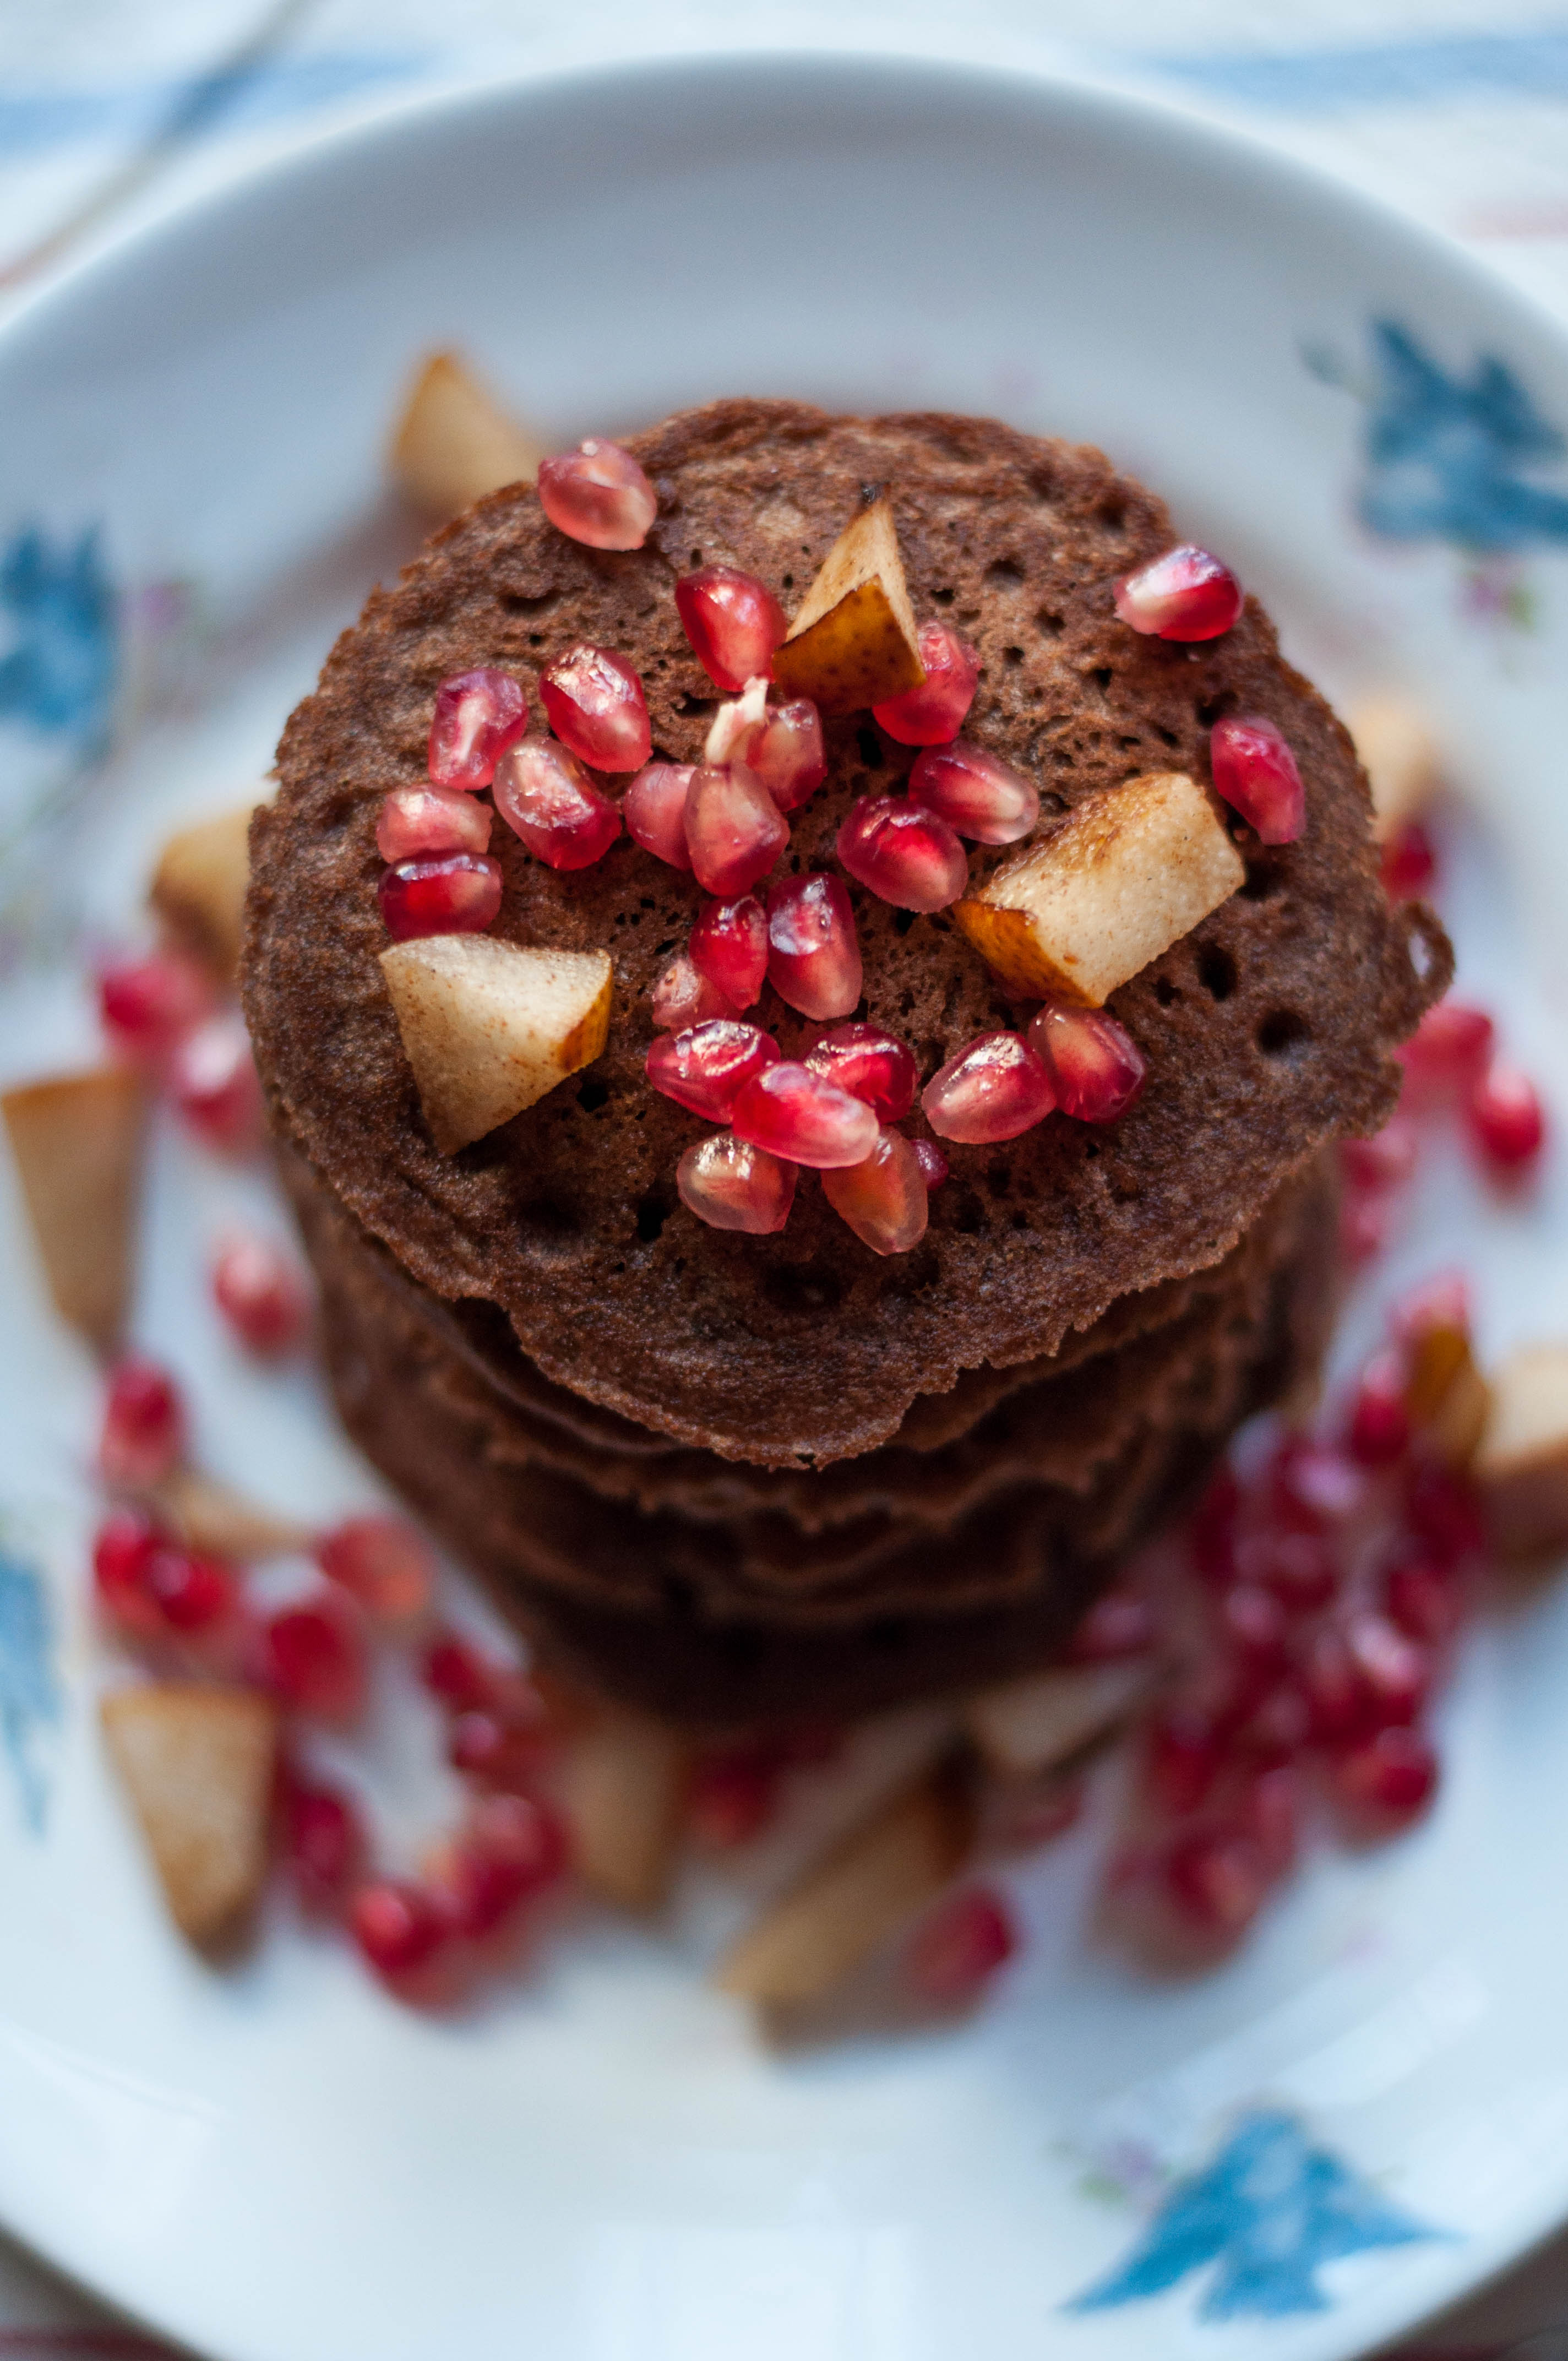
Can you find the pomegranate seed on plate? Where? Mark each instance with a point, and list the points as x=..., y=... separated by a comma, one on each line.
x=883, y=1198
x=959, y=1946
x=212, y=1082
x=733, y=623
x=1362, y=1673
x=259, y=1289
x=323, y=1845
x=932, y=1162
x=315, y=1659
x=1184, y=595
x=478, y=716
x=994, y=1089
x=933, y=713
x=143, y=1433
x=1119, y=1624
x=1218, y=1880
x=122, y=1551
x=1386, y=1160
x=903, y=853
x=192, y=1592
x=870, y=1064
x=1296, y=1568
x=1441, y=1510
x=1311, y=1486
x=732, y=1185
x=480, y=1892
x=148, y=1005
x=596, y=708
x=683, y=997
x=1409, y=863
x=1506, y=1118
x=814, y=953
x=1425, y=1600
x=1254, y=771
x=384, y=1565
x=654, y=811
x=1251, y=1622
x=733, y=1794
x=415, y=822
x=597, y=494
x=1096, y=1068
x=497, y=1749
x=707, y=1067
x=1448, y=1048
x=1182, y=1760
x=735, y=832
x=459, y=894
x=546, y=797
x=459, y=1674
x=729, y=944
x=523, y=1831
x=1379, y=1427
x=1278, y=1730
x=978, y=795
x=1386, y=1782
x=805, y=1118
x=785, y=750
x=400, y=1928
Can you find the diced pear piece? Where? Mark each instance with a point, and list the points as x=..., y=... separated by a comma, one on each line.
x=854, y=641
x=1025, y=1726
x=1400, y=755
x=1522, y=1464
x=208, y=1516
x=197, y=1763
x=1447, y=1399
x=1123, y=876
x=623, y=1784
x=77, y=1141
x=489, y=1027
x=454, y=442
x=198, y=889
x=871, y=1883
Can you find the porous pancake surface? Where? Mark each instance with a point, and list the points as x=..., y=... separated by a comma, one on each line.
x=1266, y=1031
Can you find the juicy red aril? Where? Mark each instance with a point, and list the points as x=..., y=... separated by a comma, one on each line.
x=1387, y=1782
x=1311, y=1486
x=683, y=997
x=478, y=716
x=977, y=794
x=1297, y=1568
x=398, y=1928
x=459, y=1674
x=144, y=1424
x=548, y=799
x=1251, y=1622
x=192, y=1593
x=814, y=953
x=1425, y=1600
x=1254, y=771
x=959, y=1946
x=903, y=853
x=871, y=1065
x=733, y=623
x=1442, y=1511
x=729, y=944
x=1096, y=1068
x=212, y=1082
x=995, y=1088
x=1182, y=1760
x=382, y=1563
x=1218, y=1880
x=1184, y=595
x=1379, y=1426
x=315, y=1660
x=932, y=1162
x=323, y=1845
x=596, y=708
x=786, y=752
x=597, y=494
x=1120, y=1624
x=1360, y=1675
x=458, y=895
x=707, y=1067
x=882, y=1198
x=259, y=1289
x=1386, y=1160
x=735, y=832
x=1212, y=1534
x=654, y=811
x=523, y=1832
x=479, y=1893
x=1506, y=1118
x=148, y=1004
x=732, y=1796
x=495, y=1748
x=802, y=1117
x=933, y=713
x=1409, y=863
x=415, y=822
x=122, y=1551
x=1448, y=1048
x=732, y=1185
x=1278, y=1729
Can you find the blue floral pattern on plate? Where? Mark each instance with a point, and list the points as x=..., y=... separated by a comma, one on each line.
x=29, y=1694
x=59, y=670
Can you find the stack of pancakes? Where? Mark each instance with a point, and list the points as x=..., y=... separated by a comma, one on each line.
x=737, y=1478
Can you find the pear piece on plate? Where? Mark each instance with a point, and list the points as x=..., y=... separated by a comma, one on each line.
x=209, y=1517
x=623, y=1787
x=1083, y=908
x=454, y=442
x=1447, y=1399
x=198, y=889
x=77, y=1142
x=1025, y=1726
x=489, y=1027
x=1521, y=1465
x=854, y=642
x=196, y=1763
x=1400, y=755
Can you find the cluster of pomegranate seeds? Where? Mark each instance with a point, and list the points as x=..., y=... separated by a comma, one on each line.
x=1451, y=1058
x=597, y=708
x=654, y=811
x=382, y=1563
x=729, y=944
x=212, y=1082
x=478, y=716
x=1254, y=771
x=599, y=495
x=1185, y=595
x=903, y=852
x=735, y=832
x=871, y=1065
x=456, y=893
x=143, y=1434
x=814, y=953
x=978, y=795
x=547, y=798
x=733, y=623
x=683, y=996
x=416, y=823
x=883, y=1197
x=992, y=1090
x=148, y=1004
x=1409, y=862
x=802, y=1117
x=706, y=1069
x=258, y=1287
x=732, y=1185
x=1096, y=1068
x=933, y=713
x=314, y=1655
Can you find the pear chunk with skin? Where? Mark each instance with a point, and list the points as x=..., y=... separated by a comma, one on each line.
x=489, y=1027
x=854, y=642
x=196, y=1762
x=1521, y=1465
x=623, y=1784
x=454, y=442
x=198, y=889
x=1085, y=907
x=77, y=1141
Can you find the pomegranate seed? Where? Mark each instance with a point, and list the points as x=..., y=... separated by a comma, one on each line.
x=802, y=1117
x=523, y=1832
x=1096, y=1068
x=324, y=1845
x=597, y=494
x=596, y=708
x=1182, y=1760
x=871, y=1065
x=315, y=1660
x=732, y=1185
x=995, y=1088
x=1278, y=1729
x=1360, y=1675
x=733, y=623
x=398, y=1928
x=683, y=999
x=1424, y=1599
x=735, y=832
x=483, y=1887
x=148, y=1005
x=932, y=1162
x=1184, y=595
x=960, y=1945
x=213, y=1080
x=382, y=1563
x=478, y=716
x=1442, y=1511
x=1386, y=1782
x=1441, y=1301
x=458, y=895
x=459, y=1674
x=883, y=1198
x=1409, y=863
x=192, y=1593
x=932, y=713
x=728, y=945
x=1448, y=1048
x=416, y=823
x=259, y=1289
x=903, y=853
x=1311, y=1486
x=1212, y=1534
x=1272, y=1813
x=732, y=1796
x=548, y=799
x=1218, y=1880
x=977, y=794
x=1296, y=1568
x=123, y=1549
x=1251, y=1622
x=1386, y=1160
x=1379, y=1427
x=654, y=811
x=814, y=953
x=1119, y=1624
x=1254, y=771
x=143, y=1433
x=707, y=1067
x=497, y=1749
x=786, y=752
x=1506, y=1118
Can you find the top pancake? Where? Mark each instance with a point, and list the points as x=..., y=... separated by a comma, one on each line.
x=1266, y=1031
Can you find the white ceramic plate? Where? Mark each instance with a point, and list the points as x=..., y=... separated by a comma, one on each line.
x=605, y=2166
